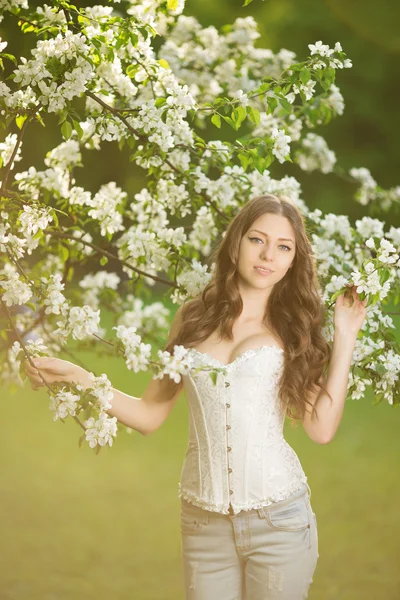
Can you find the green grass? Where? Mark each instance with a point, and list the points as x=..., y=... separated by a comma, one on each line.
x=76, y=525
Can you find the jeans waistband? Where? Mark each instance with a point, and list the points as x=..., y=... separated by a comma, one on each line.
x=275, y=505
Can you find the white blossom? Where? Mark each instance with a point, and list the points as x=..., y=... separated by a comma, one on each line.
x=100, y=431
x=17, y=292
x=63, y=403
x=281, y=144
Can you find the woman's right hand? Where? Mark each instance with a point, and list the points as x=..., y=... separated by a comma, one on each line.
x=52, y=369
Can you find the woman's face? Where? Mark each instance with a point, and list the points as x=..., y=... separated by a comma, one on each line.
x=268, y=243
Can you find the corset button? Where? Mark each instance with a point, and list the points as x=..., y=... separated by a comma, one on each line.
x=228, y=406
x=229, y=448
x=229, y=470
x=227, y=384
x=228, y=426
x=231, y=491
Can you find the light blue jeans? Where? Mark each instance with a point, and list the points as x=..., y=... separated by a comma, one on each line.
x=268, y=553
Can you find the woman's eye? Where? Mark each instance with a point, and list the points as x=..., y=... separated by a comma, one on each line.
x=281, y=246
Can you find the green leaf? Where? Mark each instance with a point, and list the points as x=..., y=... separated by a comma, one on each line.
x=244, y=160
x=159, y=102
x=272, y=103
x=305, y=75
x=163, y=63
x=216, y=120
x=239, y=115
x=131, y=70
x=103, y=260
x=66, y=129
x=230, y=122
x=213, y=377
x=64, y=253
x=20, y=120
x=78, y=128
x=10, y=57
x=285, y=104
x=246, y=2
x=253, y=114
x=172, y=4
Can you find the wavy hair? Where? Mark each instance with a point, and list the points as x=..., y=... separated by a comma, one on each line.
x=294, y=311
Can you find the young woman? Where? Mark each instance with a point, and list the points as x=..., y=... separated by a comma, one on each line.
x=248, y=528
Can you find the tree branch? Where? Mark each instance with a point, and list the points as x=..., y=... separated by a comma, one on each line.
x=62, y=235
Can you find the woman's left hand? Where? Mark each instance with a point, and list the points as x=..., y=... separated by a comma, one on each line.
x=350, y=312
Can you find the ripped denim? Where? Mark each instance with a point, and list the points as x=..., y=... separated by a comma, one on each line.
x=268, y=553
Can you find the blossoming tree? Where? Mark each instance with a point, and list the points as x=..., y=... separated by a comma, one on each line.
x=149, y=77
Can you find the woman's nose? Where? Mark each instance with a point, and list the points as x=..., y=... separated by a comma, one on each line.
x=268, y=253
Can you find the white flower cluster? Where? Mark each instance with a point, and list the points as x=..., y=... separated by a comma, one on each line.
x=358, y=385
x=281, y=144
x=307, y=89
x=204, y=230
x=391, y=363
x=369, y=191
x=95, y=283
x=64, y=403
x=141, y=247
x=13, y=4
x=32, y=181
x=7, y=148
x=368, y=227
x=16, y=292
x=106, y=208
x=100, y=431
x=8, y=241
x=54, y=300
x=323, y=50
x=65, y=155
x=386, y=363
x=192, y=279
x=31, y=220
x=81, y=322
x=146, y=318
x=9, y=373
x=335, y=100
x=67, y=49
x=36, y=347
x=370, y=282
x=174, y=365
x=102, y=390
x=11, y=367
x=136, y=352
x=315, y=154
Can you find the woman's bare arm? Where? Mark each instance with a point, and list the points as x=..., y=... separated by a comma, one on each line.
x=145, y=414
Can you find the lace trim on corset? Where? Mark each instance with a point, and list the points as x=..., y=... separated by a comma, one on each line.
x=239, y=507
x=205, y=357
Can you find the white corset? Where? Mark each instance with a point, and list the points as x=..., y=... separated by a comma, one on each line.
x=236, y=452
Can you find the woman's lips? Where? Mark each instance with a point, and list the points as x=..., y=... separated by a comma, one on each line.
x=263, y=272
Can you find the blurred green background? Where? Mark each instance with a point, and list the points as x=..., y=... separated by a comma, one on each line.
x=76, y=525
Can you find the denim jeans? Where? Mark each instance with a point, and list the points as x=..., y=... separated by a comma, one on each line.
x=268, y=553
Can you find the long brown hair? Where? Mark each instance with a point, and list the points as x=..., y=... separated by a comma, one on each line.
x=295, y=311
